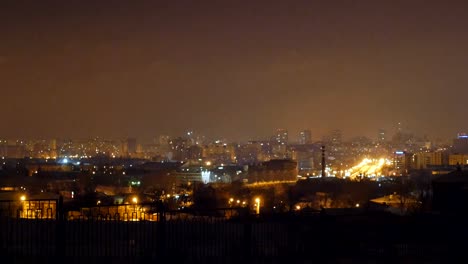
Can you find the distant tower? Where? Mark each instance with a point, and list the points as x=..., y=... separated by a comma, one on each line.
x=323, y=161
x=305, y=137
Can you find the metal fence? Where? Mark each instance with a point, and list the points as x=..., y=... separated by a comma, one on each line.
x=29, y=209
x=140, y=233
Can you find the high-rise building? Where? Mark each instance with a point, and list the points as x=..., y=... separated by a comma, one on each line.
x=194, y=152
x=402, y=161
x=281, y=136
x=178, y=148
x=460, y=144
x=219, y=153
x=458, y=159
x=381, y=135
x=132, y=145
x=164, y=147
x=304, y=157
x=422, y=160
x=53, y=148
x=336, y=137
x=249, y=153
x=129, y=146
x=190, y=135
x=399, y=127
x=3, y=147
x=16, y=151
x=164, y=140
x=305, y=137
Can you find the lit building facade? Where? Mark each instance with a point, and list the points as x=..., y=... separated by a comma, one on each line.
x=281, y=136
x=305, y=137
x=219, y=153
x=458, y=159
x=422, y=160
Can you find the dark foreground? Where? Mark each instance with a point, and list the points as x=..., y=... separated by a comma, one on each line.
x=366, y=237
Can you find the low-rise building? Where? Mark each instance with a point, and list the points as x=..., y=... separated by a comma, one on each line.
x=273, y=170
x=458, y=159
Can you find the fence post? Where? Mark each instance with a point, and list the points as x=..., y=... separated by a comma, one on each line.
x=161, y=231
x=60, y=230
x=247, y=238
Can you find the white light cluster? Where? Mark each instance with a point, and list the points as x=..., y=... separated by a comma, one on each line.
x=206, y=176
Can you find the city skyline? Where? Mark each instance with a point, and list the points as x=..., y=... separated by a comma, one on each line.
x=233, y=69
x=292, y=137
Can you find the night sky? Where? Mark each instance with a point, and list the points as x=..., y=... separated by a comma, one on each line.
x=233, y=69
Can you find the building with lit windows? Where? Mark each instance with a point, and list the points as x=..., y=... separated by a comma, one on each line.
x=305, y=137
x=422, y=160
x=402, y=161
x=219, y=153
x=458, y=159
x=281, y=136
x=178, y=148
x=249, y=153
x=188, y=175
x=273, y=170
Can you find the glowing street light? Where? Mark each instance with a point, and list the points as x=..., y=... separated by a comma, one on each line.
x=135, y=200
x=257, y=204
x=23, y=197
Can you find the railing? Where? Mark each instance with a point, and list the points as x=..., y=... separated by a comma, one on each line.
x=149, y=212
x=228, y=235
x=29, y=209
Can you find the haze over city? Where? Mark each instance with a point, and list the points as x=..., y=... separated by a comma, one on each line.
x=308, y=131
x=237, y=70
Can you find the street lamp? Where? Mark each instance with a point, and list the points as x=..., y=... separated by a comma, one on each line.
x=257, y=205
x=21, y=210
x=135, y=201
